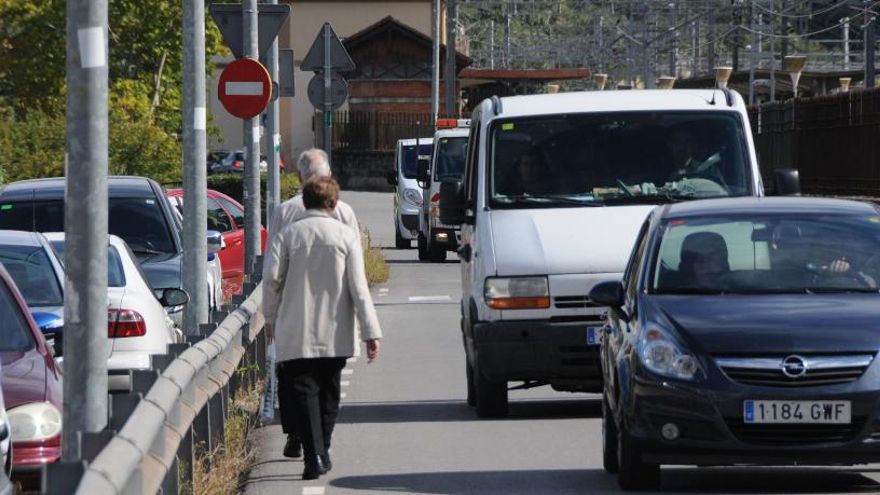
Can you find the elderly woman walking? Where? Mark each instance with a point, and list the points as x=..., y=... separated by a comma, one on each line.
x=314, y=289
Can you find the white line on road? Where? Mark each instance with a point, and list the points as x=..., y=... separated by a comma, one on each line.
x=344, y=383
x=347, y=372
x=428, y=298
x=352, y=360
x=342, y=395
x=313, y=490
x=383, y=290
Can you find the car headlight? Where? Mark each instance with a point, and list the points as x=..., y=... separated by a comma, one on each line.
x=413, y=196
x=664, y=356
x=517, y=293
x=34, y=422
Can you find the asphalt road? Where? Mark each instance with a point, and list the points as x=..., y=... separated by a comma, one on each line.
x=405, y=427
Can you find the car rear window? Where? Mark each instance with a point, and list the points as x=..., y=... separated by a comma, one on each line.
x=115, y=272
x=33, y=274
x=15, y=335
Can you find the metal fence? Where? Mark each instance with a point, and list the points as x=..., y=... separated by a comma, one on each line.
x=832, y=140
x=374, y=131
x=173, y=411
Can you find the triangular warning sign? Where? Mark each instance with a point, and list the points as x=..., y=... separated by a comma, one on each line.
x=339, y=58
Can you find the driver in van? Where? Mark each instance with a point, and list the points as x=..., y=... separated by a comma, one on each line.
x=530, y=174
x=688, y=155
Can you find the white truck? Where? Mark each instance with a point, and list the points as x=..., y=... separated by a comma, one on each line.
x=555, y=190
x=446, y=164
x=407, y=193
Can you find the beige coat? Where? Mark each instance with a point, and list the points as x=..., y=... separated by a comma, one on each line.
x=314, y=288
x=289, y=211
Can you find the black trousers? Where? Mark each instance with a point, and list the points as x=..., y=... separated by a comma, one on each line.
x=308, y=394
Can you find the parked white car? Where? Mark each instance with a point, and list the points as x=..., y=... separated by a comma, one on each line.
x=137, y=323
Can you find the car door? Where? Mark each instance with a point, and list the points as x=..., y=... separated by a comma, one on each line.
x=232, y=258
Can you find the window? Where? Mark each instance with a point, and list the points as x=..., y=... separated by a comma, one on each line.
x=473, y=162
x=115, y=271
x=451, y=153
x=33, y=274
x=235, y=211
x=15, y=335
x=217, y=218
x=631, y=274
x=409, y=161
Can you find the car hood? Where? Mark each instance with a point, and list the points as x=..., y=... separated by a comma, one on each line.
x=772, y=324
x=23, y=377
x=565, y=240
x=162, y=270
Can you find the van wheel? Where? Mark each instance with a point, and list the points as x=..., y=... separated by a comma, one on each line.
x=437, y=253
x=609, y=439
x=633, y=474
x=399, y=241
x=491, y=396
x=423, y=247
x=471, y=388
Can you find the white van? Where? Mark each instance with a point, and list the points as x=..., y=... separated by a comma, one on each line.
x=446, y=164
x=407, y=193
x=556, y=188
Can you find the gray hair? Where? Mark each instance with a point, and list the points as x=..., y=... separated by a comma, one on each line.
x=313, y=163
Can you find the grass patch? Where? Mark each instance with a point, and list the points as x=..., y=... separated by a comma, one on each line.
x=374, y=262
x=221, y=470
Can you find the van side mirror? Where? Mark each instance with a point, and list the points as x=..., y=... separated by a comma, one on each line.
x=391, y=177
x=608, y=293
x=453, y=205
x=423, y=173
x=787, y=182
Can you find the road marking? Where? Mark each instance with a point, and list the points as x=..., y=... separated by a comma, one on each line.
x=344, y=383
x=352, y=360
x=347, y=372
x=313, y=490
x=342, y=395
x=383, y=290
x=428, y=298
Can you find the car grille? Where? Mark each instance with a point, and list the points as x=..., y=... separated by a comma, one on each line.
x=819, y=370
x=569, y=302
x=794, y=434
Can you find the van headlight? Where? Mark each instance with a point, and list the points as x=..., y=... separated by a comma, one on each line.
x=34, y=422
x=517, y=293
x=413, y=196
x=664, y=356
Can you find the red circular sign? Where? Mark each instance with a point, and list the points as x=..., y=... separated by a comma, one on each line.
x=245, y=88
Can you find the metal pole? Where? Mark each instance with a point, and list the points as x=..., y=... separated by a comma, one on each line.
x=328, y=105
x=195, y=215
x=85, y=225
x=845, y=43
x=273, y=145
x=435, y=63
x=710, y=55
x=492, y=44
x=450, y=59
x=869, y=52
x=752, y=53
x=251, y=134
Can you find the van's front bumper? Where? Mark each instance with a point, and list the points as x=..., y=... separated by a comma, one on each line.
x=562, y=354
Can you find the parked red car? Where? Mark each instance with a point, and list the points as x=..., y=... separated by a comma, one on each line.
x=226, y=216
x=31, y=384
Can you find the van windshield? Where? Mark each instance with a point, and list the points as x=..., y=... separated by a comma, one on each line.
x=451, y=153
x=409, y=161
x=618, y=158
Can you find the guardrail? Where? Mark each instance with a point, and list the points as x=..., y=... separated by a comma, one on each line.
x=151, y=441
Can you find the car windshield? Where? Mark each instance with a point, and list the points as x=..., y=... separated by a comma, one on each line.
x=14, y=332
x=33, y=274
x=115, y=273
x=617, y=158
x=409, y=160
x=451, y=152
x=138, y=221
x=791, y=253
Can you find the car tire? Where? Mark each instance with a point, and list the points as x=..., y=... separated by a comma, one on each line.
x=471, y=387
x=491, y=396
x=423, y=248
x=436, y=253
x=633, y=474
x=609, y=439
x=399, y=241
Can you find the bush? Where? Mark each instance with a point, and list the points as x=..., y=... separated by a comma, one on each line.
x=374, y=261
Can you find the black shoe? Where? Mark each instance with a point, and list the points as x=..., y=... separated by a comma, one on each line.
x=314, y=468
x=328, y=464
x=293, y=447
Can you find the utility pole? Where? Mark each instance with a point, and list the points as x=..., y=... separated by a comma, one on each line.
x=710, y=50
x=251, y=134
x=673, y=38
x=451, y=99
x=845, y=22
x=85, y=225
x=507, y=65
x=273, y=144
x=492, y=44
x=195, y=181
x=869, y=51
x=752, y=53
x=773, y=54
x=435, y=63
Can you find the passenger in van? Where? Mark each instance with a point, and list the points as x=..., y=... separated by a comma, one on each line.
x=703, y=260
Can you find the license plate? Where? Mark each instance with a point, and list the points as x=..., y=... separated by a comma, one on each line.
x=592, y=335
x=837, y=412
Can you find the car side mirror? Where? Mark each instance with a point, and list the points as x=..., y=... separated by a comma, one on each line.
x=391, y=177
x=172, y=297
x=423, y=173
x=453, y=205
x=609, y=293
x=787, y=182
x=215, y=241
x=57, y=346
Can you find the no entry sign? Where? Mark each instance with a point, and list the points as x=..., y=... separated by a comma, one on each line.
x=245, y=88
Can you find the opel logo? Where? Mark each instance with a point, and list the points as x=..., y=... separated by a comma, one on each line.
x=794, y=366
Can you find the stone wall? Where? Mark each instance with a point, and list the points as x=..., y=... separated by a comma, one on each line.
x=363, y=170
